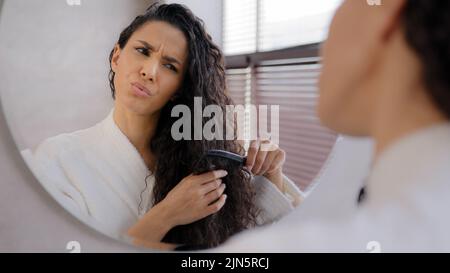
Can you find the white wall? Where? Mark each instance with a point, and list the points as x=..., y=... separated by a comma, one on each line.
x=55, y=63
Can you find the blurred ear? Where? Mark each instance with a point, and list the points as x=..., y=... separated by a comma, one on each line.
x=115, y=58
x=391, y=18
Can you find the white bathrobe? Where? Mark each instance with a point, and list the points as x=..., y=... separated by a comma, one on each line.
x=406, y=207
x=99, y=176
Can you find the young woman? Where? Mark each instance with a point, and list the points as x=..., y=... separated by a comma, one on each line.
x=385, y=75
x=128, y=175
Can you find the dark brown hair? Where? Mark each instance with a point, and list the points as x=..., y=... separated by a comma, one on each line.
x=427, y=31
x=205, y=78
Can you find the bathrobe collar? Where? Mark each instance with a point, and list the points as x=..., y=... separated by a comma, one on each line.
x=128, y=160
x=415, y=163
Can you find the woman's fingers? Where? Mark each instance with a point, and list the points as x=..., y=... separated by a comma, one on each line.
x=214, y=194
x=260, y=158
x=263, y=156
x=269, y=161
x=216, y=206
x=257, y=152
x=278, y=161
x=209, y=176
x=210, y=186
x=252, y=153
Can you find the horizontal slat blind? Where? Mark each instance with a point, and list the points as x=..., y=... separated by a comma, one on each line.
x=293, y=86
x=238, y=84
x=262, y=25
x=240, y=26
x=252, y=28
x=286, y=23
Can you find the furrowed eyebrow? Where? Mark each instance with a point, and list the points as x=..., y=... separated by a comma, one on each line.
x=167, y=58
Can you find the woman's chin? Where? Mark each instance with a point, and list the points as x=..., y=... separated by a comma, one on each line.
x=135, y=105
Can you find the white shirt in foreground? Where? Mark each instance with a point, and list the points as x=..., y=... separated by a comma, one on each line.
x=99, y=176
x=406, y=208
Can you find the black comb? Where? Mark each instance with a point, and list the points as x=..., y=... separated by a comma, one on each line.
x=219, y=159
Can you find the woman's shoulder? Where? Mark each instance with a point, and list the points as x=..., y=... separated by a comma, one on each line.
x=54, y=146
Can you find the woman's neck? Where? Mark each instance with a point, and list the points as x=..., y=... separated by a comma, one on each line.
x=402, y=102
x=401, y=116
x=139, y=129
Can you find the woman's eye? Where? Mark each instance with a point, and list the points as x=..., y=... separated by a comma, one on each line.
x=171, y=67
x=142, y=50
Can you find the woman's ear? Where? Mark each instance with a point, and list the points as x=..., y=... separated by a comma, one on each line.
x=115, y=58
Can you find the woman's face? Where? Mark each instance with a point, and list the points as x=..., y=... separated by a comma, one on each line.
x=349, y=57
x=150, y=68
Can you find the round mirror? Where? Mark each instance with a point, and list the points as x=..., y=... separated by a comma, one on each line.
x=104, y=106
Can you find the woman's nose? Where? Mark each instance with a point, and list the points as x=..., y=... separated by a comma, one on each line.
x=149, y=70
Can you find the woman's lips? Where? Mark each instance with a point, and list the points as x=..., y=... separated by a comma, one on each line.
x=140, y=90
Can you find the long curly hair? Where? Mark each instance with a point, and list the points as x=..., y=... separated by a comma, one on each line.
x=205, y=78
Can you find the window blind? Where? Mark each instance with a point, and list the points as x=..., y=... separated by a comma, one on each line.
x=287, y=23
x=272, y=59
x=262, y=25
x=292, y=84
x=239, y=26
x=239, y=85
